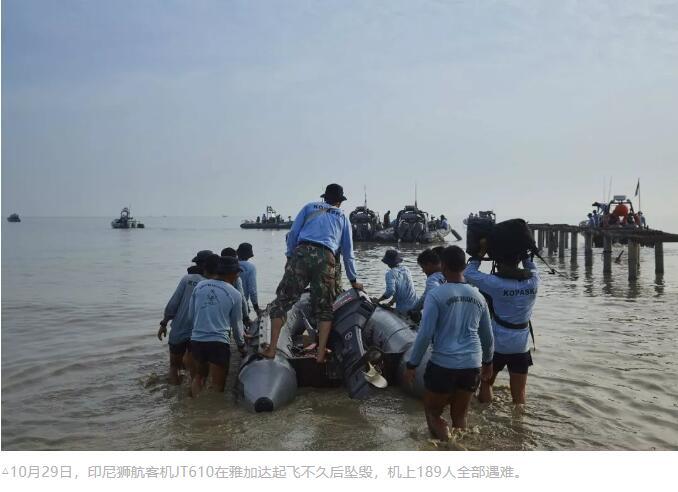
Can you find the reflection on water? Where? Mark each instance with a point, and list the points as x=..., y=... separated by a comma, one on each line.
x=82, y=368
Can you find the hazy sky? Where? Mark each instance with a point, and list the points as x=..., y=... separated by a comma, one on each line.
x=221, y=107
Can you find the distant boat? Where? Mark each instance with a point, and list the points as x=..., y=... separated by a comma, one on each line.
x=413, y=225
x=14, y=218
x=269, y=220
x=224, y=216
x=126, y=221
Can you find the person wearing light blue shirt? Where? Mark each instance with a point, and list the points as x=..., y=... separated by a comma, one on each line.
x=249, y=275
x=456, y=323
x=239, y=286
x=176, y=311
x=319, y=234
x=399, y=284
x=215, y=310
x=429, y=262
x=512, y=293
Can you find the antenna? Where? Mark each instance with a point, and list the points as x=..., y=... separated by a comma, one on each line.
x=365, y=190
x=415, y=196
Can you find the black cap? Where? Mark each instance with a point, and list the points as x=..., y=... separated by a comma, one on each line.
x=245, y=251
x=201, y=256
x=392, y=257
x=228, y=252
x=228, y=264
x=333, y=193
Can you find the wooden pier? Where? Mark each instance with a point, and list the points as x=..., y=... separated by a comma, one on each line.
x=560, y=237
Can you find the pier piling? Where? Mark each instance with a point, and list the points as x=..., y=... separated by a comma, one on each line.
x=607, y=254
x=573, y=245
x=659, y=258
x=562, y=238
x=633, y=253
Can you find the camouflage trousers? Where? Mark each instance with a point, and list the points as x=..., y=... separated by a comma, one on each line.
x=312, y=265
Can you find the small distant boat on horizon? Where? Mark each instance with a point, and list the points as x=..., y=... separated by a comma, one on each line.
x=126, y=221
x=14, y=218
x=269, y=220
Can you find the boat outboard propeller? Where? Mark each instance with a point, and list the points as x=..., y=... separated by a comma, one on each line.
x=374, y=377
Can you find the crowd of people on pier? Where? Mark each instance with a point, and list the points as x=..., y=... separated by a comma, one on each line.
x=475, y=323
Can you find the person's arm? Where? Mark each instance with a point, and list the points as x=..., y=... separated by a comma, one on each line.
x=191, y=308
x=243, y=300
x=430, y=284
x=236, y=321
x=528, y=264
x=346, y=248
x=474, y=276
x=173, y=304
x=429, y=320
x=485, y=334
x=252, y=287
x=293, y=235
x=390, y=286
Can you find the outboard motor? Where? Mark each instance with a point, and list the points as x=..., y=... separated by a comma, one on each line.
x=352, y=309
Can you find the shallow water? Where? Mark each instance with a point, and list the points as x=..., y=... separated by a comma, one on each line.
x=82, y=368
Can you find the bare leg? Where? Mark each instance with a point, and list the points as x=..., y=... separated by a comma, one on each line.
x=434, y=404
x=198, y=383
x=218, y=374
x=459, y=408
x=188, y=364
x=518, y=383
x=276, y=326
x=485, y=393
x=324, y=328
x=175, y=365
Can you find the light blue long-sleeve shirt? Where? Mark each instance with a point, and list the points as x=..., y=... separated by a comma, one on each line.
x=249, y=281
x=432, y=281
x=399, y=285
x=216, y=311
x=321, y=223
x=177, y=308
x=457, y=321
x=241, y=291
x=512, y=301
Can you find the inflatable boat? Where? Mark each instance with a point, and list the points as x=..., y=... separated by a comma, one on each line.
x=369, y=344
x=364, y=223
x=413, y=225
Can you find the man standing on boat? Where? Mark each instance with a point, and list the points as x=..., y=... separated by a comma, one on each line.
x=320, y=232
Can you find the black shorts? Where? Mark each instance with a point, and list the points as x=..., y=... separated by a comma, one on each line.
x=217, y=353
x=180, y=348
x=516, y=363
x=439, y=379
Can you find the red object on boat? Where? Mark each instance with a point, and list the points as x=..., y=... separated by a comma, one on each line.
x=621, y=210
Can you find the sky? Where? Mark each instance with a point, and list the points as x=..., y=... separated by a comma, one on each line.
x=195, y=108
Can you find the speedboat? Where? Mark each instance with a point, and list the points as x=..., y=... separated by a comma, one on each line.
x=14, y=218
x=369, y=347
